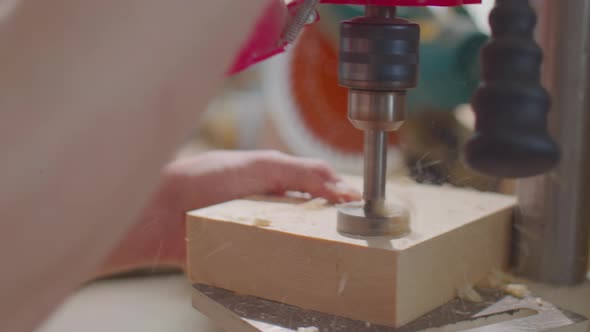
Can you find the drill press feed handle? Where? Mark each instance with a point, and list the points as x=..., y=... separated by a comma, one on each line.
x=511, y=106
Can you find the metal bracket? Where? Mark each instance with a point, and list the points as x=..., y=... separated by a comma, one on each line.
x=496, y=312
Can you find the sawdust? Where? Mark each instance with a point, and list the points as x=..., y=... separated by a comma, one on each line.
x=517, y=290
x=498, y=279
x=315, y=204
x=308, y=329
x=468, y=293
x=298, y=195
x=508, y=283
x=261, y=222
x=342, y=188
x=392, y=209
x=386, y=209
x=342, y=283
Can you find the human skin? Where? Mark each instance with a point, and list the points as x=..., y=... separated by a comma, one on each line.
x=158, y=238
x=95, y=97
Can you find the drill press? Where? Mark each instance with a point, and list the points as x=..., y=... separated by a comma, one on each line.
x=378, y=63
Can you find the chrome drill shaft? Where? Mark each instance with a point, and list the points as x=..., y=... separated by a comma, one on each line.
x=375, y=170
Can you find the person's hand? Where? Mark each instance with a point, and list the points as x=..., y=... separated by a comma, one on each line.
x=158, y=239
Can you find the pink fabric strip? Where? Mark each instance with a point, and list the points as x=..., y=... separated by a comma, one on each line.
x=264, y=39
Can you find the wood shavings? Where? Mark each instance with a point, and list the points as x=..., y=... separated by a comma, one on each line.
x=261, y=222
x=342, y=283
x=392, y=209
x=315, y=204
x=308, y=329
x=385, y=209
x=498, y=279
x=468, y=293
x=298, y=195
x=343, y=191
x=517, y=290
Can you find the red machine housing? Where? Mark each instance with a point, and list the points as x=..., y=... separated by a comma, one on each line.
x=403, y=2
x=265, y=40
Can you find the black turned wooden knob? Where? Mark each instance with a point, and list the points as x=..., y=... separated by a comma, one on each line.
x=511, y=106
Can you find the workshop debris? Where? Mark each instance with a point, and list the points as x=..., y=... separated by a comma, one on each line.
x=342, y=189
x=308, y=329
x=517, y=290
x=315, y=204
x=298, y=195
x=510, y=284
x=498, y=279
x=392, y=209
x=468, y=293
x=342, y=283
x=261, y=222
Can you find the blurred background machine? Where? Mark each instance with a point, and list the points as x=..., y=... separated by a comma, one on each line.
x=305, y=108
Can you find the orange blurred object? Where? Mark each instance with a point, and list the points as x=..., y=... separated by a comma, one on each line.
x=321, y=102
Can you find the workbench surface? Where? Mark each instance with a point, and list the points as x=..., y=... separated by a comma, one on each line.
x=143, y=304
x=162, y=304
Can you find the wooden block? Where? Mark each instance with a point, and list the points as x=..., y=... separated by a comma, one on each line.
x=457, y=237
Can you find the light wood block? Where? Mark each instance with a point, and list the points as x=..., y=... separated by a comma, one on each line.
x=457, y=237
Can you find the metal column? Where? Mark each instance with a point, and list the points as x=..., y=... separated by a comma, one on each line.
x=551, y=230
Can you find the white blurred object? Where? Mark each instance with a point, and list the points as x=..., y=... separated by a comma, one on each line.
x=465, y=116
x=150, y=304
x=234, y=119
x=480, y=13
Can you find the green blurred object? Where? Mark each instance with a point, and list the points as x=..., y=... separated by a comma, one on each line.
x=449, y=53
